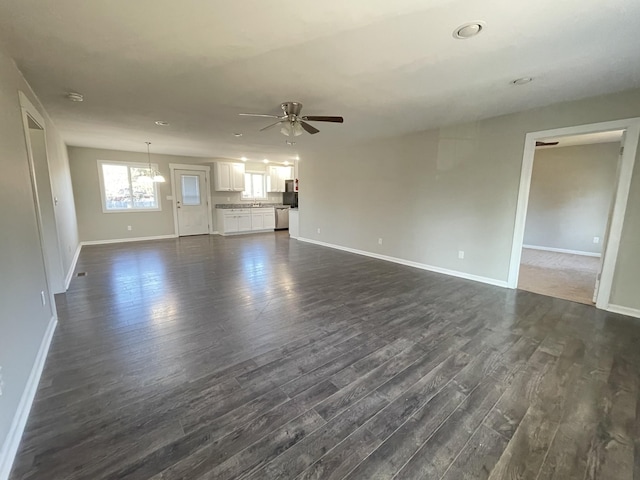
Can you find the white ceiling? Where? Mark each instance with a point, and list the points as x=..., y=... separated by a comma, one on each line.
x=389, y=67
x=585, y=139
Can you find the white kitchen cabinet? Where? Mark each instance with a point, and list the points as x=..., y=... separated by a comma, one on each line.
x=276, y=178
x=237, y=177
x=228, y=177
x=275, y=183
x=244, y=222
x=263, y=219
x=240, y=220
x=270, y=219
x=287, y=173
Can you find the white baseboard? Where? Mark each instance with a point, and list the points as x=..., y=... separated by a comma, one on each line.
x=12, y=442
x=562, y=250
x=215, y=232
x=409, y=263
x=132, y=239
x=72, y=267
x=631, y=312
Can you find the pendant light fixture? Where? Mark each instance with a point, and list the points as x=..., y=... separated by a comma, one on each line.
x=154, y=175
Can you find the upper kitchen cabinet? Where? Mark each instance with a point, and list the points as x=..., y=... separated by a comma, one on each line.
x=228, y=177
x=277, y=177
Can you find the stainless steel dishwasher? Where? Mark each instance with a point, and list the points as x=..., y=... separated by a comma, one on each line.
x=282, y=218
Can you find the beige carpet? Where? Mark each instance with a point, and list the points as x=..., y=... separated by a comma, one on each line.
x=560, y=275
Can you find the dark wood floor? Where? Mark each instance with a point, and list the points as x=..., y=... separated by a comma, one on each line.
x=261, y=357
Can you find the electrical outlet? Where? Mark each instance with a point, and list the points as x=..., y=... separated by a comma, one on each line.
x=596, y=239
x=318, y=229
x=129, y=227
x=43, y=298
x=461, y=254
x=1, y=382
x=379, y=241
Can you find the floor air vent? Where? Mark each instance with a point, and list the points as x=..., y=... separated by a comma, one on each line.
x=82, y=274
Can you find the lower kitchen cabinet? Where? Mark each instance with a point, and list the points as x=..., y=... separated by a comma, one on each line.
x=243, y=220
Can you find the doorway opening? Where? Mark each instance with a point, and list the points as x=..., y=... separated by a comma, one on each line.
x=570, y=199
x=573, y=195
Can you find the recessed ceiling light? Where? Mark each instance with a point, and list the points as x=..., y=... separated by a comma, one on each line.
x=522, y=81
x=75, y=97
x=297, y=157
x=237, y=134
x=468, y=30
x=286, y=163
x=265, y=161
x=162, y=123
x=244, y=159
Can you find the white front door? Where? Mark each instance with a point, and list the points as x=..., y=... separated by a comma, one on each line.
x=191, y=202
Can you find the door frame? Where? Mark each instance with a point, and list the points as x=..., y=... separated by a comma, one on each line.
x=29, y=110
x=207, y=179
x=632, y=126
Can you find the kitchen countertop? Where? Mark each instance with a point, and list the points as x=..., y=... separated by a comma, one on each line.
x=248, y=205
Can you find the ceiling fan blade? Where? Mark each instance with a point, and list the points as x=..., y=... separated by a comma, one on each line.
x=258, y=115
x=309, y=128
x=272, y=125
x=545, y=144
x=323, y=119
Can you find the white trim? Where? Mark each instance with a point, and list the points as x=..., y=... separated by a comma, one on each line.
x=125, y=240
x=207, y=179
x=409, y=263
x=28, y=110
x=103, y=197
x=562, y=250
x=632, y=126
x=215, y=232
x=72, y=267
x=12, y=441
x=631, y=312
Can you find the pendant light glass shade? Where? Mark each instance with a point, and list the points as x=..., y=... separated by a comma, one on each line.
x=154, y=175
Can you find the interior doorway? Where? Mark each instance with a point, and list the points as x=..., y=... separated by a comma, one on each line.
x=192, y=199
x=570, y=198
x=567, y=232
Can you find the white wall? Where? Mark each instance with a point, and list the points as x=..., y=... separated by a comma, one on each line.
x=571, y=194
x=23, y=318
x=430, y=194
x=95, y=225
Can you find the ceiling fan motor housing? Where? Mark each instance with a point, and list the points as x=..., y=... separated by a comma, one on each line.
x=291, y=108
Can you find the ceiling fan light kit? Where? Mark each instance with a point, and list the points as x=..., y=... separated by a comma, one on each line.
x=293, y=124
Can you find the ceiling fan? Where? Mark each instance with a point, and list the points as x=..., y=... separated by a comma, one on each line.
x=540, y=143
x=292, y=123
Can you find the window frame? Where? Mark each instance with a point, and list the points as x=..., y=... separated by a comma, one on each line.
x=129, y=165
x=264, y=186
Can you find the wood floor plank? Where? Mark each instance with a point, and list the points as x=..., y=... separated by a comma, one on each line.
x=441, y=449
x=306, y=452
x=343, y=458
x=257, y=355
x=398, y=449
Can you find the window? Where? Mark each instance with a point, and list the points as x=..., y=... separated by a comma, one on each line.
x=126, y=187
x=254, y=186
x=190, y=189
